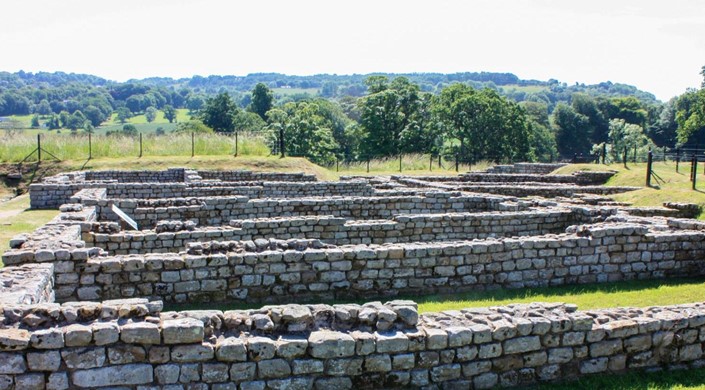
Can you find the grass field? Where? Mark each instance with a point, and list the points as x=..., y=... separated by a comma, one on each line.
x=16, y=146
x=16, y=218
x=675, y=187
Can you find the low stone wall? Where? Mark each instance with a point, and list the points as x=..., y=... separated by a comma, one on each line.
x=579, y=178
x=132, y=346
x=171, y=175
x=341, y=231
x=214, y=211
x=256, y=176
x=524, y=168
x=27, y=284
x=232, y=271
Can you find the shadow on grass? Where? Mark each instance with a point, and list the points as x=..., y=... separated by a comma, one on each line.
x=490, y=295
x=634, y=380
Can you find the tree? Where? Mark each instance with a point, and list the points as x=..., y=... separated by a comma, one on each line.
x=76, y=120
x=35, y=121
x=219, y=113
x=150, y=114
x=129, y=130
x=194, y=103
x=626, y=135
x=123, y=114
x=307, y=132
x=193, y=126
x=572, y=131
x=388, y=110
x=169, y=113
x=262, y=100
x=43, y=108
x=94, y=115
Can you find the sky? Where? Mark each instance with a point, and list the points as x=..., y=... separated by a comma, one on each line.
x=655, y=45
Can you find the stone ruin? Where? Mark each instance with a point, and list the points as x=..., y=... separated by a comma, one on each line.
x=83, y=297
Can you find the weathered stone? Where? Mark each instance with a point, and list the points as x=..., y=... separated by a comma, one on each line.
x=52, y=338
x=192, y=353
x=140, y=333
x=182, y=331
x=124, y=354
x=391, y=342
x=124, y=375
x=14, y=339
x=82, y=358
x=273, y=368
x=522, y=344
x=12, y=363
x=77, y=335
x=44, y=361
x=261, y=348
x=105, y=333
x=330, y=344
x=231, y=350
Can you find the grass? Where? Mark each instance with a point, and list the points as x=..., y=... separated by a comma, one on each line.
x=16, y=145
x=675, y=186
x=635, y=380
x=412, y=164
x=25, y=221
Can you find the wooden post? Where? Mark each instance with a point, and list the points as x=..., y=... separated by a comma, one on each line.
x=140, y=156
x=281, y=142
x=678, y=158
x=456, y=162
x=39, y=147
x=400, y=156
x=648, y=168
x=430, y=163
x=693, y=164
x=368, y=165
x=439, y=161
x=90, y=147
x=193, y=144
x=695, y=170
x=604, y=152
x=236, y=144
x=337, y=167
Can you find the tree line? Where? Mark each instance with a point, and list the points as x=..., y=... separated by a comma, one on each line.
x=475, y=116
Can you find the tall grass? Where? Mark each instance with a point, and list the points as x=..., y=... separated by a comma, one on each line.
x=16, y=145
x=410, y=162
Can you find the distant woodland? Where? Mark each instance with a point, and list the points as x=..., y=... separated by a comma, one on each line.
x=476, y=116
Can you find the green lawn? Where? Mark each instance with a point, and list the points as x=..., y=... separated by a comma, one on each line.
x=675, y=186
x=26, y=221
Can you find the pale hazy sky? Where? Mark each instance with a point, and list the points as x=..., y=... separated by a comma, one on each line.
x=658, y=46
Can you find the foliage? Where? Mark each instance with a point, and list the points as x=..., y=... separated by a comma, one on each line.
x=193, y=126
x=627, y=136
x=150, y=114
x=219, y=113
x=307, y=132
x=262, y=100
x=690, y=116
x=572, y=131
x=170, y=113
x=248, y=121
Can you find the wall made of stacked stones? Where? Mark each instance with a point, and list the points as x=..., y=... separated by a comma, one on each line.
x=249, y=189
x=340, y=231
x=216, y=211
x=172, y=175
x=256, y=176
x=523, y=168
x=276, y=271
x=131, y=346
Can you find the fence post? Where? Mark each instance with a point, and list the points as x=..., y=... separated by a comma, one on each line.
x=236, y=144
x=140, y=145
x=664, y=154
x=439, y=161
x=193, y=144
x=430, y=163
x=281, y=142
x=604, y=152
x=648, y=168
x=337, y=167
x=456, y=162
x=678, y=158
x=551, y=158
x=90, y=147
x=692, y=167
x=400, y=155
x=368, y=165
x=39, y=148
x=695, y=170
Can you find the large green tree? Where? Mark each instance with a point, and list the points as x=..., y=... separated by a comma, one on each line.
x=262, y=100
x=219, y=113
x=572, y=131
x=389, y=109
